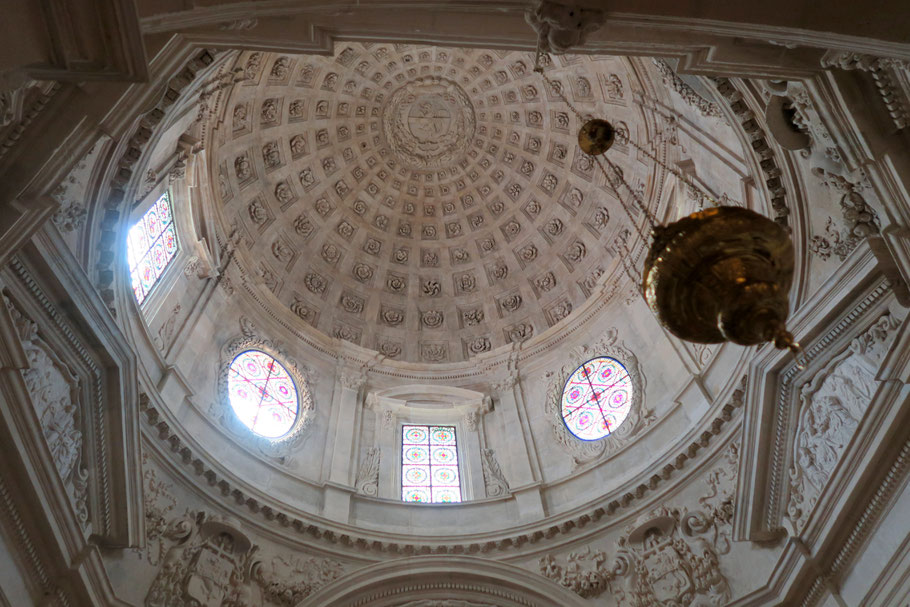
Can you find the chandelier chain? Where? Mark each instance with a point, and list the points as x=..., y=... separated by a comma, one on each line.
x=617, y=172
x=623, y=136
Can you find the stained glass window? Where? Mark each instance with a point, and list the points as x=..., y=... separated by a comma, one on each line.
x=262, y=394
x=150, y=246
x=597, y=398
x=429, y=465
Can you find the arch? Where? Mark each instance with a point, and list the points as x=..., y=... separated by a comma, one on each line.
x=432, y=578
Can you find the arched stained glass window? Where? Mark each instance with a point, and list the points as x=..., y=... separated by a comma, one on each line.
x=597, y=398
x=429, y=465
x=150, y=246
x=262, y=394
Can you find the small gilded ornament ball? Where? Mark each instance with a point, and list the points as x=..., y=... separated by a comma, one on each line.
x=596, y=136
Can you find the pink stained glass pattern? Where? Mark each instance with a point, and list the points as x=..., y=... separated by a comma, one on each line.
x=262, y=394
x=151, y=245
x=597, y=398
x=429, y=465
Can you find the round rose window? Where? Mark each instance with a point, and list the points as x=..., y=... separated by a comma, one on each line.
x=597, y=398
x=262, y=394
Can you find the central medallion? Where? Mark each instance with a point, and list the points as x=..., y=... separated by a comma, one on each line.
x=428, y=122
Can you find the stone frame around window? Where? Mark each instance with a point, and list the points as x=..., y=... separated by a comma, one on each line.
x=587, y=451
x=279, y=448
x=463, y=409
x=165, y=280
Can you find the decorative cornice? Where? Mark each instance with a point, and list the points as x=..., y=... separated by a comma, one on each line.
x=130, y=153
x=759, y=143
x=620, y=502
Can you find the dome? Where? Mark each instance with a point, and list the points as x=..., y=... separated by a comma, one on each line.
x=427, y=203
x=323, y=305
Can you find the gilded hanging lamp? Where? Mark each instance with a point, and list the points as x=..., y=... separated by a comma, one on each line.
x=720, y=274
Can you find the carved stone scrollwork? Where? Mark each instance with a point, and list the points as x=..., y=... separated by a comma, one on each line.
x=211, y=562
x=668, y=557
x=688, y=94
x=278, y=448
x=859, y=219
x=505, y=385
x=493, y=478
x=368, y=475
x=584, y=452
x=831, y=405
x=287, y=581
x=560, y=27
x=352, y=381
x=55, y=396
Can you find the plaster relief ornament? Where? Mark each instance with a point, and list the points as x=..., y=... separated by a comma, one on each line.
x=283, y=193
x=300, y=308
x=479, y=345
x=307, y=178
x=298, y=145
x=832, y=403
x=390, y=349
x=243, y=168
x=303, y=226
x=257, y=211
x=70, y=217
x=270, y=155
x=545, y=282
x=433, y=353
x=472, y=317
x=345, y=229
x=431, y=288
x=352, y=304
x=663, y=560
x=280, y=68
x=560, y=311
x=511, y=303
x=613, y=86
x=392, y=316
x=493, y=478
x=428, y=122
x=323, y=206
x=54, y=393
x=368, y=475
x=287, y=580
x=269, y=110
x=520, y=332
x=209, y=563
x=281, y=252
x=362, y=272
x=396, y=284
x=467, y=283
x=372, y=246
x=240, y=116
x=330, y=254
x=315, y=283
x=576, y=252
x=432, y=319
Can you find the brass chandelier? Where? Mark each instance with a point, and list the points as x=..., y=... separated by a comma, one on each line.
x=720, y=274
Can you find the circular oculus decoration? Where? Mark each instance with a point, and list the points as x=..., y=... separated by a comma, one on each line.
x=597, y=398
x=262, y=394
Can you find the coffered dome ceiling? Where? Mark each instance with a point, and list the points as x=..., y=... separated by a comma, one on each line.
x=428, y=203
